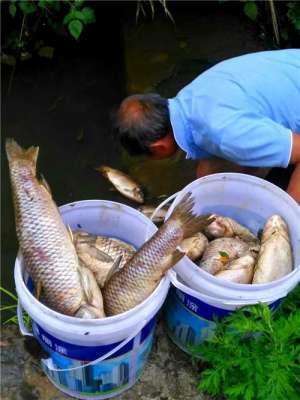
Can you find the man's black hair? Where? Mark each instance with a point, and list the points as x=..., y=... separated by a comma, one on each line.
x=137, y=132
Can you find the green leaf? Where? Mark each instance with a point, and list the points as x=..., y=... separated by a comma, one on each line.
x=75, y=28
x=89, y=15
x=73, y=14
x=27, y=7
x=250, y=9
x=12, y=10
x=223, y=254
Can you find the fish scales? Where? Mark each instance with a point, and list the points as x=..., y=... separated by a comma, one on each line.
x=48, y=252
x=139, y=277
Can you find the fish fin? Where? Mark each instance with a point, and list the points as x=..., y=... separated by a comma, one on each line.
x=174, y=258
x=85, y=277
x=190, y=223
x=39, y=288
x=70, y=233
x=100, y=255
x=114, y=268
x=15, y=152
x=44, y=183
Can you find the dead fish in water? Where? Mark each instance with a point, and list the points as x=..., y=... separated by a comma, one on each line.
x=228, y=227
x=148, y=210
x=275, y=256
x=45, y=243
x=194, y=246
x=239, y=270
x=141, y=275
x=123, y=183
x=221, y=251
x=102, y=255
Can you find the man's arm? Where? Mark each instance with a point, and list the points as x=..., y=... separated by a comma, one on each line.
x=294, y=184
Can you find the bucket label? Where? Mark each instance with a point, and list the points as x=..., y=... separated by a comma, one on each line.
x=109, y=377
x=85, y=353
x=188, y=320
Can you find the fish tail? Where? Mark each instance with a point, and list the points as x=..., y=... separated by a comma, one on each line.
x=16, y=152
x=190, y=223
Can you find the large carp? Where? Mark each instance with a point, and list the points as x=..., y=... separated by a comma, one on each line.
x=143, y=272
x=49, y=254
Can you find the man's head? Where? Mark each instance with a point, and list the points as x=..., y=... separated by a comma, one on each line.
x=143, y=126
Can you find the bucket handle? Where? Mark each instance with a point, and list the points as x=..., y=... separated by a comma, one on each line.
x=47, y=362
x=23, y=329
x=161, y=205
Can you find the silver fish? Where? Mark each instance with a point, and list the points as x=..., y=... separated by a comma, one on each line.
x=148, y=210
x=49, y=254
x=194, y=246
x=141, y=275
x=239, y=271
x=123, y=183
x=102, y=255
x=275, y=257
x=228, y=227
x=220, y=252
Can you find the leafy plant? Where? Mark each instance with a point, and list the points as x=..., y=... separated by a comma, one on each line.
x=12, y=308
x=254, y=354
x=283, y=16
x=75, y=16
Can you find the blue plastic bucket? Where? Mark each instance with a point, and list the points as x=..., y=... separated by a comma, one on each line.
x=197, y=295
x=94, y=358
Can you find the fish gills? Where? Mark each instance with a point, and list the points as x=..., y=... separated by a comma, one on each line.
x=49, y=254
x=141, y=275
x=275, y=257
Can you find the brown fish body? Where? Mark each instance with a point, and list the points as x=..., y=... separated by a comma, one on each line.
x=159, y=216
x=194, y=246
x=141, y=275
x=45, y=244
x=99, y=254
x=275, y=257
x=123, y=183
x=228, y=227
x=239, y=270
x=220, y=252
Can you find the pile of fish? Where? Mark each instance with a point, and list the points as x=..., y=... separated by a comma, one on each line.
x=230, y=251
x=89, y=276
x=73, y=272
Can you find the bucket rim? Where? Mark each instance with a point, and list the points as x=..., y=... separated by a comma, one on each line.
x=238, y=177
x=220, y=301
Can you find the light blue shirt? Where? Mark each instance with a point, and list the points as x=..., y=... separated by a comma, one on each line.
x=243, y=109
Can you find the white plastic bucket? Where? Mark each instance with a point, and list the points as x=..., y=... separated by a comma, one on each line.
x=249, y=200
x=95, y=358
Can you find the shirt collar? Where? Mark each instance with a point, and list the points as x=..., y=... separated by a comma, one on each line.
x=182, y=133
